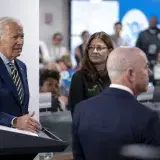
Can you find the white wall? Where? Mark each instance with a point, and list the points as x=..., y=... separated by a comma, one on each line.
x=59, y=10
x=27, y=11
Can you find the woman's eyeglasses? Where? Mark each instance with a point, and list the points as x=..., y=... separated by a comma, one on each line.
x=98, y=48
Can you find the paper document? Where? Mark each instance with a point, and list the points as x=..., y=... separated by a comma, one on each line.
x=17, y=131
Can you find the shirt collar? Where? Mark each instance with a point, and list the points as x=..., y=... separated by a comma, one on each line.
x=5, y=59
x=122, y=87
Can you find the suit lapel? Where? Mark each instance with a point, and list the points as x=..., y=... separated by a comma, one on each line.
x=8, y=80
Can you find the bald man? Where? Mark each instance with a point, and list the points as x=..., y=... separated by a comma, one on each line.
x=113, y=119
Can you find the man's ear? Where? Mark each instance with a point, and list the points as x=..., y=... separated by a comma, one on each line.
x=130, y=74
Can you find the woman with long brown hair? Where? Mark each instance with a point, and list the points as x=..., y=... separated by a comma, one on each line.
x=92, y=78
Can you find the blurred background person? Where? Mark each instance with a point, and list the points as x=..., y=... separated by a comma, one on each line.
x=58, y=50
x=118, y=38
x=79, y=50
x=92, y=78
x=43, y=54
x=52, y=66
x=63, y=66
x=149, y=41
x=49, y=82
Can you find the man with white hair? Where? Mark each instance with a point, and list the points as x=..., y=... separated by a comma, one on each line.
x=14, y=92
x=113, y=119
x=129, y=67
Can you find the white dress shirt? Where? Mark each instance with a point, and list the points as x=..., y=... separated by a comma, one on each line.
x=57, y=52
x=121, y=87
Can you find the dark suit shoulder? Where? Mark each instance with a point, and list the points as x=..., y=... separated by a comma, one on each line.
x=22, y=64
x=138, y=109
x=147, y=120
x=83, y=105
x=142, y=114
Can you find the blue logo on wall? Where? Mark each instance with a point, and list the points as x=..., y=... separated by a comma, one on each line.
x=135, y=28
x=134, y=21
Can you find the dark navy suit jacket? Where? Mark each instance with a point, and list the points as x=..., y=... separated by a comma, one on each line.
x=105, y=123
x=10, y=106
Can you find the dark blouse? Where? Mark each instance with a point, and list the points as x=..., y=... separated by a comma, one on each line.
x=82, y=88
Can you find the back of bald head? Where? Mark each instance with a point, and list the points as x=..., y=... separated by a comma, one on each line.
x=122, y=58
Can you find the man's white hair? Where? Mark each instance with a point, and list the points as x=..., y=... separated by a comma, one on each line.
x=120, y=59
x=113, y=74
x=6, y=20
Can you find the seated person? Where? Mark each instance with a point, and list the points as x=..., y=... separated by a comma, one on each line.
x=49, y=82
x=52, y=66
x=59, y=67
x=44, y=54
x=64, y=63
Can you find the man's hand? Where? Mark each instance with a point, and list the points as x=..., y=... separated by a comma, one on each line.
x=26, y=122
x=63, y=99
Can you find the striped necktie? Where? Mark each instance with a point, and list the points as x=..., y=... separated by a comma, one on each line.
x=17, y=81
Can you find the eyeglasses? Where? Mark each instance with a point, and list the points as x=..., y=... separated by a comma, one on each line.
x=98, y=48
